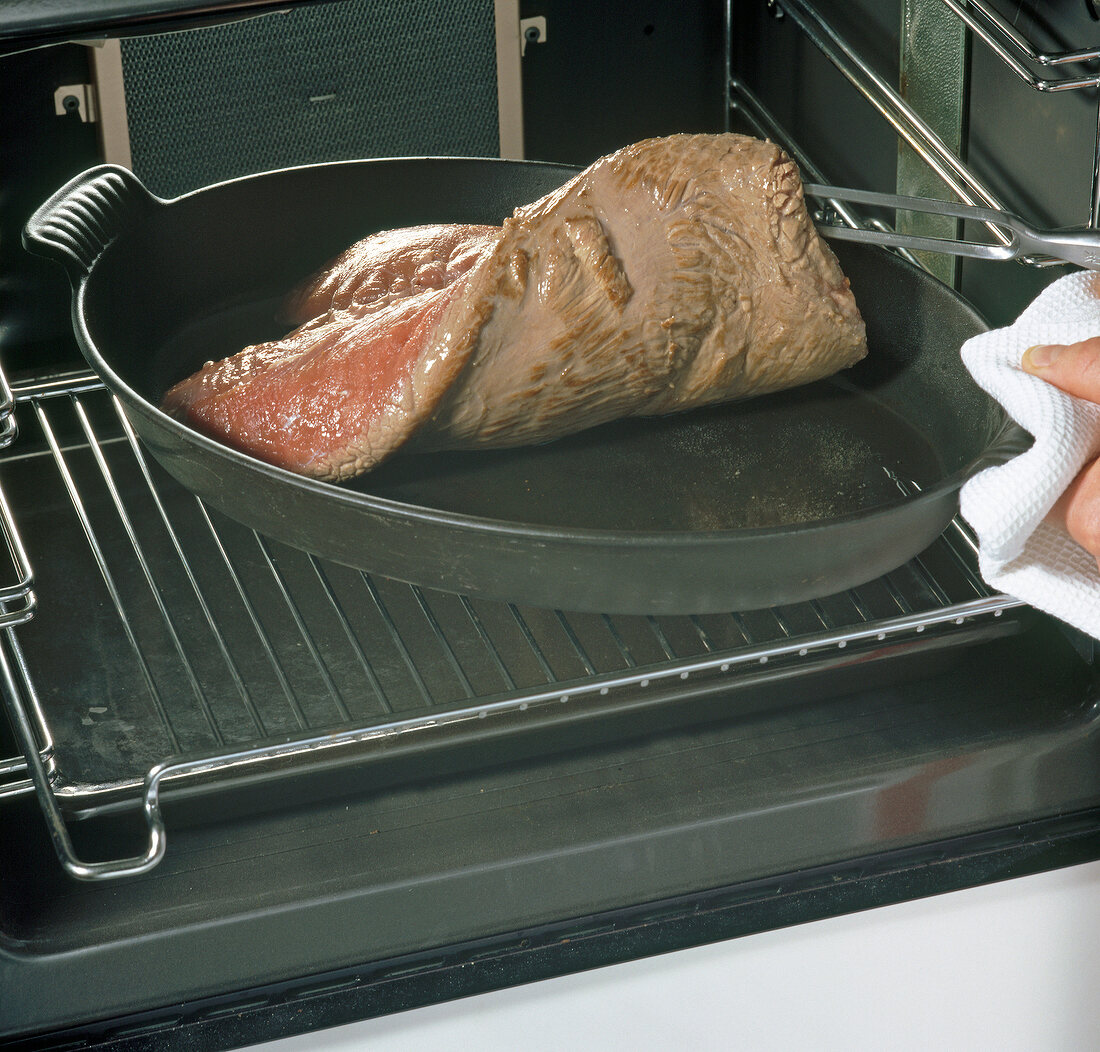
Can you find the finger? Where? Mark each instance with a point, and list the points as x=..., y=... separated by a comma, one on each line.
x=1078, y=509
x=1074, y=367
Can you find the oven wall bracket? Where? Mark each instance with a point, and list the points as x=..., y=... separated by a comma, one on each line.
x=934, y=65
x=925, y=120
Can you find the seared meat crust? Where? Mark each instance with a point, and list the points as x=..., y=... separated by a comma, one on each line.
x=674, y=273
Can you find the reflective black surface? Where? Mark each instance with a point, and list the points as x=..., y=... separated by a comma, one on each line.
x=1004, y=733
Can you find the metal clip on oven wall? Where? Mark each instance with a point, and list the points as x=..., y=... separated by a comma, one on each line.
x=8, y=427
x=17, y=601
x=1078, y=246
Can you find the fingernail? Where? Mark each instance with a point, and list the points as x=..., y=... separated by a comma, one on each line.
x=1041, y=357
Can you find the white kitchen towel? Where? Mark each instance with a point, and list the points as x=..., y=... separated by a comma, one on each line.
x=1019, y=553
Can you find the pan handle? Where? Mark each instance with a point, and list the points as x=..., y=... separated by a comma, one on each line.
x=85, y=216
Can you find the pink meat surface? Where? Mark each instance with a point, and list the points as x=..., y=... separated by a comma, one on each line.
x=364, y=321
x=294, y=401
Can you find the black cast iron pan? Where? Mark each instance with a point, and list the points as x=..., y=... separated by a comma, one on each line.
x=770, y=501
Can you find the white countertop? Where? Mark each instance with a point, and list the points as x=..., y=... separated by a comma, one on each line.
x=1010, y=966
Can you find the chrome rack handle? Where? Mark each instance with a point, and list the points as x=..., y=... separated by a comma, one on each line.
x=55, y=821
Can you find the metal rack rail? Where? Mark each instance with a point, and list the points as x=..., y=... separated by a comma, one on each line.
x=1015, y=50
x=1004, y=41
x=232, y=652
x=765, y=124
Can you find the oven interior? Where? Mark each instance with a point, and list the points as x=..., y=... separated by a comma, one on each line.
x=245, y=791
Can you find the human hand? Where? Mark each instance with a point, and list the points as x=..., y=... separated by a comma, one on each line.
x=1075, y=369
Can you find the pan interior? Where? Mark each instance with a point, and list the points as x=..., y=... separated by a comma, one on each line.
x=810, y=454
x=800, y=456
x=828, y=450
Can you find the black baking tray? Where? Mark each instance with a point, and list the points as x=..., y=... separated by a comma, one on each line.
x=922, y=779
x=776, y=499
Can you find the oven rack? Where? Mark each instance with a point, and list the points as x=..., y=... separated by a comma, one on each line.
x=993, y=30
x=1011, y=46
x=233, y=654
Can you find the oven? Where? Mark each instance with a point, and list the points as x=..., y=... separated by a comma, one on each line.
x=247, y=793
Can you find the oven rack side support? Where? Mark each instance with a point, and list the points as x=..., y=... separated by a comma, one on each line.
x=17, y=600
x=18, y=603
x=16, y=686
x=1015, y=49
x=958, y=177
x=38, y=768
x=767, y=126
x=1010, y=46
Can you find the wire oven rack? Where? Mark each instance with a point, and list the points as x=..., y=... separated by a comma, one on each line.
x=173, y=645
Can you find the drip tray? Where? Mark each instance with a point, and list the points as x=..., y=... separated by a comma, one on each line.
x=166, y=630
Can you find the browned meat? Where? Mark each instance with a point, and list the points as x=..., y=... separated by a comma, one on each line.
x=674, y=273
x=389, y=266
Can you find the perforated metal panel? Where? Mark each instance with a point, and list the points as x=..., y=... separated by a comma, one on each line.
x=360, y=78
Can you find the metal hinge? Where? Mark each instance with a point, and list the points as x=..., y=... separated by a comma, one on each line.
x=76, y=98
x=531, y=31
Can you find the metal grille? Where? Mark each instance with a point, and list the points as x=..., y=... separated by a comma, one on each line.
x=169, y=630
x=324, y=82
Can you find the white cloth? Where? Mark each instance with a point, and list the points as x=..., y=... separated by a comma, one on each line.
x=1019, y=553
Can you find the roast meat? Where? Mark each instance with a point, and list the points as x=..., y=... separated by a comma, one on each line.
x=674, y=273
